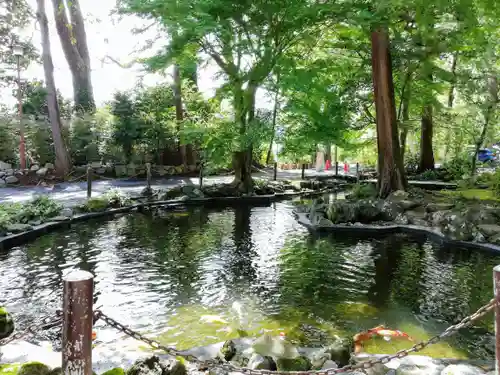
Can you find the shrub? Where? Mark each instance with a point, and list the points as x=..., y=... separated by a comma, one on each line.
x=113, y=198
x=363, y=191
x=94, y=205
x=457, y=168
x=41, y=208
x=411, y=163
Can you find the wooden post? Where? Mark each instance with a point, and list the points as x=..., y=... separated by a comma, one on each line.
x=357, y=172
x=496, y=291
x=336, y=168
x=201, y=175
x=77, y=323
x=148, y=175
x=303, y=175
x=275, y=171
x=89, y=182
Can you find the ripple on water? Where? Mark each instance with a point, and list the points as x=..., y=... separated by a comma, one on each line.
x=178, y=276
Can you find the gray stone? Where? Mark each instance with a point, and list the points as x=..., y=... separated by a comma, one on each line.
x=328, y=365
x=390, y=209
x=419, y=365
x=4, y=165
x=433, y=207
x=416, y=217
x=49, y=166
x=96, y=164
x=258, y=362
x=35, y=222
x=462, y=369
x=9, y=172
x=59, y=218
x=100, y=170
x=437, y=218
x=324, y=222
x=18, y=228
x=42, y=172
x=35, y=167
x=2, y=173
x=2, y=183
x=489, y=230
x=153, y=366
x=67, y=212
x=228, y=350
x=11, y=180
x=398, y=195
x=184, y=198
x=495, y=239
x=407, y=204
x=456, y=227
x=402, y=219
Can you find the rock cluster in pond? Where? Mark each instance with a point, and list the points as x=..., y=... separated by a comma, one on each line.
x=186, y=192
x=471, y=221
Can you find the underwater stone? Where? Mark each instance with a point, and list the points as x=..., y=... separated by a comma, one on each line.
x=462, y=369
x=6, y=323
x=340, y=351
x=259, y=362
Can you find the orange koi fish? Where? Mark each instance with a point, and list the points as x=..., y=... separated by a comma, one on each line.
x=377, y=331
x=94, y=335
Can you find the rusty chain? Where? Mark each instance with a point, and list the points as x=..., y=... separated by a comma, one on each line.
x=466, y=322
x=46, y=323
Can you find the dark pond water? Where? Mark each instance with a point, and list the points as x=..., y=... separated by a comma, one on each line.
x=194, y=277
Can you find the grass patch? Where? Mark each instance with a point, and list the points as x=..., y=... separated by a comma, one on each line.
x=473, y=194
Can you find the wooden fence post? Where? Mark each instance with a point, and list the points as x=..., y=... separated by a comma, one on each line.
x=148, y=175
x=496, y=292
x=89, y=182
x=336, y=168
x=201, y=175
x=275, y=171
x=357, y=172
x=77, y=323
x=303, y=175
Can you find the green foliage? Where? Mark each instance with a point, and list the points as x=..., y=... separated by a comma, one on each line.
x=8, y=145
x=458, y=167
x=363, y=191
x=39, y=209
x=113, y=198
x=84, y=142
x=126, y=129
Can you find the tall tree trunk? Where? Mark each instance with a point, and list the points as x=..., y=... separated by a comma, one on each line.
x=391, y=175
x=490, y=110
x=179, y=115
x=426, y=134
x=275, y=115
x=62, y=162
x=74, y=44
x=244, y=107
x=405, y=103
x=451, y=99
x=328, y=152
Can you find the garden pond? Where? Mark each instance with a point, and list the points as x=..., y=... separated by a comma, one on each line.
x=202, y=275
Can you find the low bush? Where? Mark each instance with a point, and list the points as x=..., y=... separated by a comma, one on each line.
x=111, y=199
x=363, y=191
x=39, y=209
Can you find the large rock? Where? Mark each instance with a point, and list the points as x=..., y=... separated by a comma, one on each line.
x=433, y=207
x=419, y=365
x=153, y=366
x=228, y=350
x=406, y=204
x=259, y=362
x=11, y=180
x=390, y=209
x=462, y=369
x=456, y=227
x=42, y=172
x=67, y=212
x=49, y=166
x=4, y=165
x=398, y=195
x=416, y=218
x=6, y=323
x=489, y=230
x=2, y=182
x=18, y=228
x=301, y=363
x=340, y=351
x=35, y=167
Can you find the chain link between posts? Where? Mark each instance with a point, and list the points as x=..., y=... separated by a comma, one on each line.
x=204, y=365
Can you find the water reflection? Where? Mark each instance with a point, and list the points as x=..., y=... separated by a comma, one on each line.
x=148, y=268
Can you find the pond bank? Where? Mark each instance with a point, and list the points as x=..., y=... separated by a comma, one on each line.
x=130, y=361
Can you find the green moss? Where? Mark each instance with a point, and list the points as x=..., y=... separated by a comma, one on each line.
x=9, y=368
x=58, y=371
x=480, y=194
x=115, y=371
x=34, y=368
x=301, y=363
x=6, y=323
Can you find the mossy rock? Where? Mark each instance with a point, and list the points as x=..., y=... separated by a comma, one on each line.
x=34, y=368
x=115, y=371
x=340, y=351
x=301, y=363
x=59, y=371
x=6, y=323
x=9, y=369
x=228, y=350
x=153, y=366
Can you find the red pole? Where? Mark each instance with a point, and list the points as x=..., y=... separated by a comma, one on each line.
x=22, y=149
x=77, y=324
x=496, y=286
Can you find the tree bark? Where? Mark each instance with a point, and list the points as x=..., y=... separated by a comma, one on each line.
x=275, y=115
x=426, y=134
x=179, y=115
x=62, y=162
x=405, y=103
x=451, y=99
x=328, y=152
x=244, y=107
x=74, y=44
x=391, y=175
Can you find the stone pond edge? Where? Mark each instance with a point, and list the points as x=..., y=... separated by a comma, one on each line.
x=17, y=239
x=435, y=235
